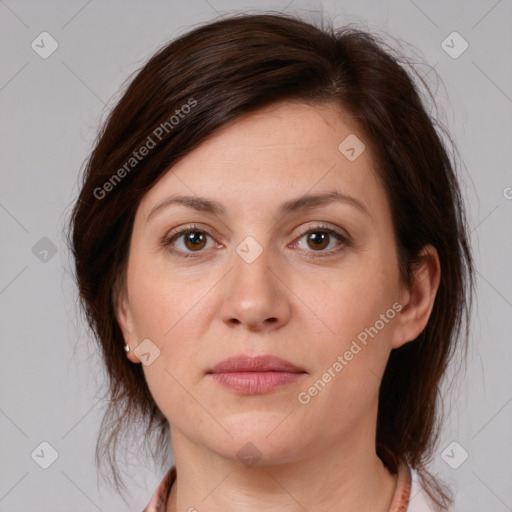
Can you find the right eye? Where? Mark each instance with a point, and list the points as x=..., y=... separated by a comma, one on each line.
x=187, y=241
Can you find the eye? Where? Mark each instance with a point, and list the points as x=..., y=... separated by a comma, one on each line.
x=318, y=238
x=189, y=240
x=193, y=239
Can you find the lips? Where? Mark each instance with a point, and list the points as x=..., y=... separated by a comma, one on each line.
x=255, y=375
x=265, y=363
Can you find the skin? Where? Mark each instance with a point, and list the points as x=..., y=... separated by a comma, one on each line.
x=199, y=310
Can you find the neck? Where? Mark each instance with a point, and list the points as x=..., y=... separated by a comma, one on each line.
x=345, y=477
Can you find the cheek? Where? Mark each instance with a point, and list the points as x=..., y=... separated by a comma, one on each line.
x=160, y=300
x=353, y=299
x=171, y=310
x=357, y=319
x=172, y=317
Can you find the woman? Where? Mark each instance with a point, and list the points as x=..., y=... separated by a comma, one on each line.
x=271, y=249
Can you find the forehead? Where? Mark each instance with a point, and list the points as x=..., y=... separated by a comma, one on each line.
x=284, y=150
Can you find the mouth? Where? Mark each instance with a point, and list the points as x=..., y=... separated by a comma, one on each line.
x=255, y=375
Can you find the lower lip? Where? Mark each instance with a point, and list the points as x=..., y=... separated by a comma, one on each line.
x=255, y=383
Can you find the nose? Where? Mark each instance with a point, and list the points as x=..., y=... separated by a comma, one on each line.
x=255, y=296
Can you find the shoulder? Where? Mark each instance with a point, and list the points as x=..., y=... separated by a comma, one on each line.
x=419, y=500
x=158, y=501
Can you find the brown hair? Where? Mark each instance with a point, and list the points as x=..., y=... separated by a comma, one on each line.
x=226, y=69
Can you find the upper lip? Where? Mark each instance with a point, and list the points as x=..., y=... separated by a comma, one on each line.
x=262, y=363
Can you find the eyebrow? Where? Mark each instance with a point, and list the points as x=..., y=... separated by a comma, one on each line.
x=305, y=202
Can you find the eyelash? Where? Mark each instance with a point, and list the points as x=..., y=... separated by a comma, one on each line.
x=168, y=239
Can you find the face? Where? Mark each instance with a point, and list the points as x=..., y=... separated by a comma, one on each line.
x=296, y=260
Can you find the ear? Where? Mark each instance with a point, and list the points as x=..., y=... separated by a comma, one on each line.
x=125, y=320
x=417, y=300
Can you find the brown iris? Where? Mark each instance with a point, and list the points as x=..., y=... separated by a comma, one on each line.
x=319, y=239
x=195, y=240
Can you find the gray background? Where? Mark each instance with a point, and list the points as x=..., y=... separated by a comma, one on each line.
x=51, y=109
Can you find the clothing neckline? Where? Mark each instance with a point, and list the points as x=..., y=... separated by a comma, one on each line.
x=399, y=503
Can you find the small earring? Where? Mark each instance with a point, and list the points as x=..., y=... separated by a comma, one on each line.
x=127, y=348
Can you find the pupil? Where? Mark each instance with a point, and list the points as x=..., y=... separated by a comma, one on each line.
x=195, y=238
x=318, y=238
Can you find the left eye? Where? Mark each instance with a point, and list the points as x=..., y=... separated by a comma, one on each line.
x=320, y=239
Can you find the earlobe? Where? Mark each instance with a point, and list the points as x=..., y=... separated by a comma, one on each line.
x=125, y=320
x=418, y=299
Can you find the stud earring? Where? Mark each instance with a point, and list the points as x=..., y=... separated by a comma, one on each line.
x=127, y=348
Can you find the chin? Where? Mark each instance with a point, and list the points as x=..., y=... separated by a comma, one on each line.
x=254, y=439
